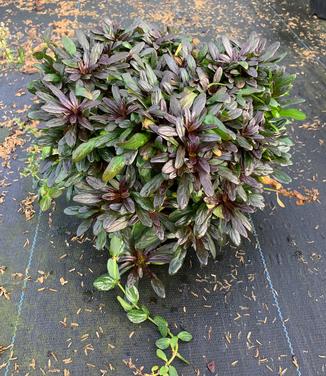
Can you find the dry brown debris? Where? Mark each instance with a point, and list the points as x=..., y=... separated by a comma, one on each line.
x=63, y=281
x=312, y=126
x=311, y=195
x=4, y=348
x=137, y=371
x=4, y=292
x=27, y=207
x=19, y=276
x=42, y=276
x=10, y=143
x=31, y=5
x=63, y=27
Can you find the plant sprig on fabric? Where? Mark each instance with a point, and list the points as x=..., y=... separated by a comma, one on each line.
x=138, y=313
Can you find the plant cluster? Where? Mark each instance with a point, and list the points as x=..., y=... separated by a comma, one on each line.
x=160, y=142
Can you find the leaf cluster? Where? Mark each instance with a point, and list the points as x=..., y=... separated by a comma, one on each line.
x=160, y=141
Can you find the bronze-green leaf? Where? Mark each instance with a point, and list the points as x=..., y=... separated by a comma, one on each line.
x=83, y=150
x=136, y=141
x=115, y=166
x=69, y=45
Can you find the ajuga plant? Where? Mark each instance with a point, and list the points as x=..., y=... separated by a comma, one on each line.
x=162, y=144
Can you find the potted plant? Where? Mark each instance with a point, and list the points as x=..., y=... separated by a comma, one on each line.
x=163, y=145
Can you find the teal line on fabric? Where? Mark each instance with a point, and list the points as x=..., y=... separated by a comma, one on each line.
x=274, y=293
x=22, y=295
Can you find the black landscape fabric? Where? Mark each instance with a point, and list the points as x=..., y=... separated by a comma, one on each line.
x=256, y=310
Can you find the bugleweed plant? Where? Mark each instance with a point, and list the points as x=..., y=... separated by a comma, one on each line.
x=162, y=145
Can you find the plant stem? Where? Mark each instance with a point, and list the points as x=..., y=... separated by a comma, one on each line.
x=135, y=305
x=174, y=354
x=175, y=351
x=270, y=189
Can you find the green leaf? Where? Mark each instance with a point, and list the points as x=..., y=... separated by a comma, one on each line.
x=32, y=86
x=249, y=91
x=174, y=341
x=83, y=150
x=273, y=103
x=137, y=231
x=187, y=100
x=36, y=115
x=281, y=176
x=83, y=92
x=45, y=203
x=163, y=343
x=244, y=64
x=226, y=173
x=70, y=63
x=132, y=294
x=148, y=238
x=220, y=96
x=69, y=45
x=182, y=358
x=52, y=77
x=292, y=113
x=116, y=246
x=202, y=52
x=100, y=240
x=130, y=82
x=104, y=283
x=185, y=336
x=145, y=310
x=177, y=261
x=158, y=287
x=225, y=133
x=244, y=143
x=84, y=226
x=161, y=355
x=125, y=305
x=55, y=192
x=136, y=141
x=172, y=371
x=39, y=55
x=115, y=166
x=113, y=269
x=162, y=325
x=117, y=224
x=152, y=185
x=218, y=212
x=164, y=371
x=96, y=142
x=286, y=141
x=137, y=316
